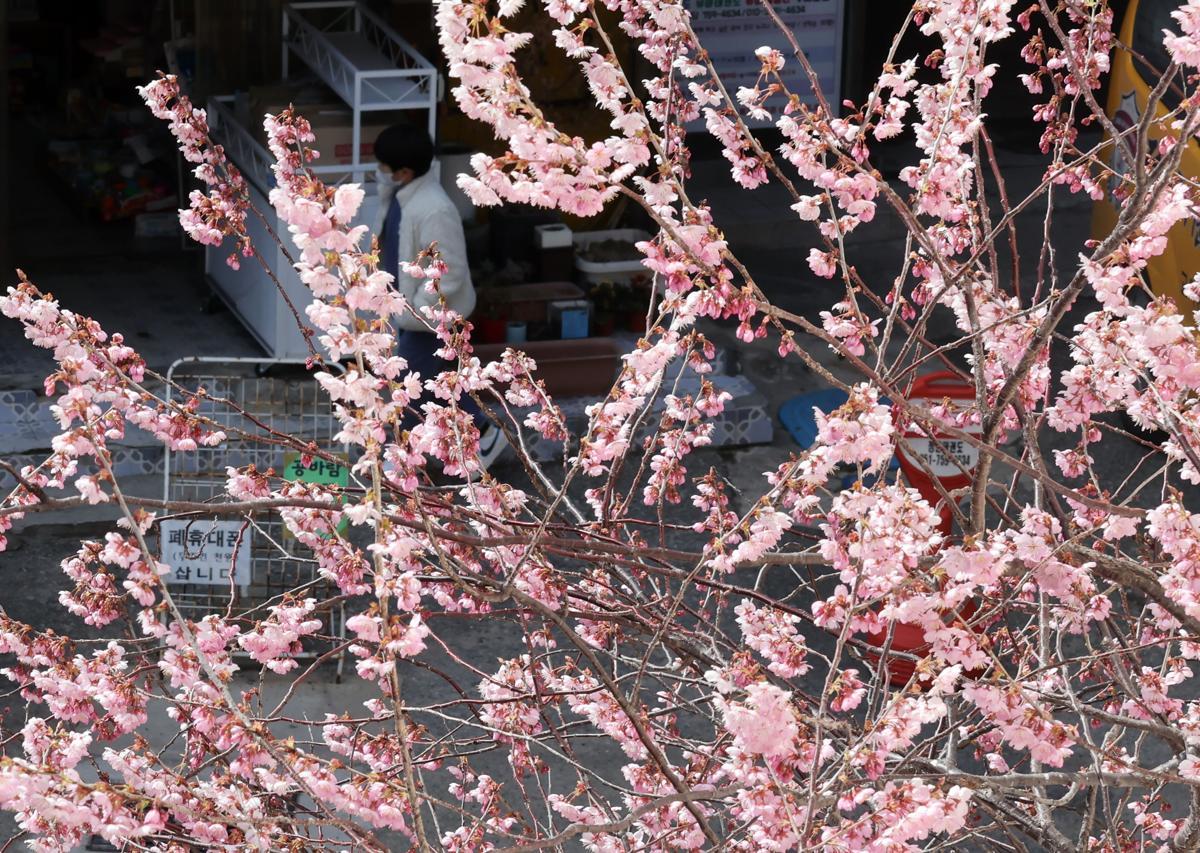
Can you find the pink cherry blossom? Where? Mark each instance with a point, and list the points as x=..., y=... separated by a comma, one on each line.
x=686, y=656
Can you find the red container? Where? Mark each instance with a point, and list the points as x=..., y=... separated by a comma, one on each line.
x=910, y=639
x=571, y=368
x=491, y=330
x=934, y=388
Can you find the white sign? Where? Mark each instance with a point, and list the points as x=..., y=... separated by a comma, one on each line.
x=731, y=30
x=206, y=552
x=945, y=457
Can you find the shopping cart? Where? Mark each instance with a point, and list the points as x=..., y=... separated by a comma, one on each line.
x=240, y=564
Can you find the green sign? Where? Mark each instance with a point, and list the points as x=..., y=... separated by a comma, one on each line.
x=324, y=472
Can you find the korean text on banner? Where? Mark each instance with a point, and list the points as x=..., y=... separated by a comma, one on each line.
x=731, y=30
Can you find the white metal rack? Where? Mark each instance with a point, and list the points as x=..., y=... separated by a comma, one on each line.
x=372, y=69
x=241, y=146
x=362, y=59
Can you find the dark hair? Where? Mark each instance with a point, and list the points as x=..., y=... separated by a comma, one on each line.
x=403, y=146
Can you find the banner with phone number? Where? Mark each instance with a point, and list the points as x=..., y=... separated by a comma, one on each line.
x=731, y=30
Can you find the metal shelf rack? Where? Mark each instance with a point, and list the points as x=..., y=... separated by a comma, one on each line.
x=362, y=59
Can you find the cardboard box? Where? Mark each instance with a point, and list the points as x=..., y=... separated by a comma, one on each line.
x=332, y=122
x=275, y=96
x=334, y=130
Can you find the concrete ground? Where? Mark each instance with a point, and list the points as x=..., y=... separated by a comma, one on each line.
x=150, y=289
x=154, y=294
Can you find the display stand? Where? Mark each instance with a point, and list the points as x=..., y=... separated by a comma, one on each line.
x=371, y=68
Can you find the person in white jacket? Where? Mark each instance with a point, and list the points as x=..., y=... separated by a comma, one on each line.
x=414, y=211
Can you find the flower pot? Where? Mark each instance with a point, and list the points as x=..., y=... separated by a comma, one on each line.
x=603, y=325
x=492, y=330
x=635, y=321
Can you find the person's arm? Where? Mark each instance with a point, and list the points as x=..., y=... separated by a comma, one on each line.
x=445, y=227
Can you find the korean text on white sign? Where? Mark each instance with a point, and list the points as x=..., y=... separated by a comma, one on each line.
x=206, y=552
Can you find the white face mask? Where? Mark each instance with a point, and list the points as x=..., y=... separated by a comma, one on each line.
x=385, y=182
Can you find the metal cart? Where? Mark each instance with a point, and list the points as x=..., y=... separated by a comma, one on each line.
x=278, y=396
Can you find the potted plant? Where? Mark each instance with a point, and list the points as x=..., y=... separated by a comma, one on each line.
x=604, y=304
x=634, y=303
x=489, y=318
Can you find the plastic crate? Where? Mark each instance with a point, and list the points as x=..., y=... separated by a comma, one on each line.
x=529, y=302
x=592, y=272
